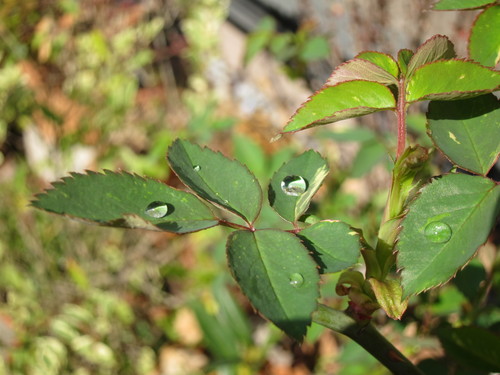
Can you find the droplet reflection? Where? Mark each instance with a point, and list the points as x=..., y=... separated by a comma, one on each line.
x=296, y=280
x=438, y=232
x=294, y=185
x=157, y=210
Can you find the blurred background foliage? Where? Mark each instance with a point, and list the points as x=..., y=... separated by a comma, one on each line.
x=109, y=84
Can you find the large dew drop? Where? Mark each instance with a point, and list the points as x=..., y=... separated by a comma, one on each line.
x=294, y=185
x=196, y=168
x=296, y=280
x=438, y=232
x=157, y=210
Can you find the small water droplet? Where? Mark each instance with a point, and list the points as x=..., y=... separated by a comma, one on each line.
x=157, y=210
x=196, y=168
x=294, y=185
x=296, y=280
x=438, y=232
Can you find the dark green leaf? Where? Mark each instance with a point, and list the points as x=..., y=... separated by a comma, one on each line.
x=436, y=48
x=450, y=218
x=461, y=4
x=294, y=184
x=334, y=245
x=472, y=346
x=276, y=273
x=404, y=57
x=466, y=131
x=450, y=80
x=222, y=181
x=125, y=200
x=360, y=69
x=382, y=60
x=345, y=100
x=484, y=43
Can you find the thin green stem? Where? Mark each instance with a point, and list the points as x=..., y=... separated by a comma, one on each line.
x=368, y=337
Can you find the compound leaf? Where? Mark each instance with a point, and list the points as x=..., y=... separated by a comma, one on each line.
x=484, y=42
x=334, y=245
x=450, y=80
x=382, y=60
x=217, y=179
x=277, y=274
x=344, y=100
x=450, y=218
x=466, y=131
x=435, y=48
x=361, y=69
x=126, y=200
x=294, y=184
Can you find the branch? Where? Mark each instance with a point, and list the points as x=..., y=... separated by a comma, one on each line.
x=368, y=337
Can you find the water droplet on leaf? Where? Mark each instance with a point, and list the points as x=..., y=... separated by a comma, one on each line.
x=196, y=168
x=296, y=280
x=438, y=232
x=157, y=210
x=294, y=185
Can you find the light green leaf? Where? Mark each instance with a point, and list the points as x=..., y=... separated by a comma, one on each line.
x=433, y=49
x=370, y=154
x=472, y=346
x=294, y=184
x=450, y=80
x=388, y=294
x=484, y=42
x=350, y=134
x=461, y=4
x=260, y=38
x=334, y=245
x=315, y=48
x=345, y=100
x=466, y=131
x=382, y=60
x=360, y=69
x=222, y=181
x=125, y=200
x=276, y=273
x=404, y=57
x=450, y=218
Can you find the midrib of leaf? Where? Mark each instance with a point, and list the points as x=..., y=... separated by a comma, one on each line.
x=460, y=226
x=269, y=279
x=473, y=146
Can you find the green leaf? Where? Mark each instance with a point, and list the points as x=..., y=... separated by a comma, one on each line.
x=472, y=346
x=484, y=42
x=314, y=49
x=217, y=179
x=370, y=154
x=433, y=49
x=450, y=218
x=345, y=100
x=294, y=184
x=260, y=38
x=334, y=245
x=350, y=134
x=276, y=273
x=360, y=69
x=404, y=57
x=382, y=60
x=461, y=4
x=388, y=294
x=450, y=80
x=466, y=131
x=125, y=200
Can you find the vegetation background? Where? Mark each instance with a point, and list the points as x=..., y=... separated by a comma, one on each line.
x=100, y=84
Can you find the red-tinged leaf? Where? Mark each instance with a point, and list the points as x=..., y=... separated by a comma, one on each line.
x=382, y=60
x=345, y=100
x=484, y=43
x=360, y=69
x=450, y=80
x=404, y=57
x=436, y=48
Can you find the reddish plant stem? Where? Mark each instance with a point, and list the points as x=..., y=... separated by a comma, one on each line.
x=401, y=115
x=235, y=225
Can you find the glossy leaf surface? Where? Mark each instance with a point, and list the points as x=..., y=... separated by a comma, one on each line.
x=275, y=271
x=467, y=131
x=212, y=176
x=125, y=200
x=294, y=184
x=484, y=42
x=461, y=4
x=345, y=100
x=447, y=222
x=335, y=245
x=436, y=48
x=360, y=69
x=449, y=80
x=382, y=60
